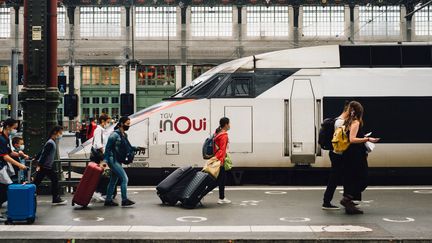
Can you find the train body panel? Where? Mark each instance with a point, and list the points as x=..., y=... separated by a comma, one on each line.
x=278, y=128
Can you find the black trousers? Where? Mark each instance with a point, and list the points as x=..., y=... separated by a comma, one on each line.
x=52, y=175
x=356, y=174
x=335, y=178
x=221, y=181
x=3, y=194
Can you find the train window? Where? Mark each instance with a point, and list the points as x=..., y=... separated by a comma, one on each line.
x=237, y=87
x=265, y=82
x=393, y=119
x=206, y=88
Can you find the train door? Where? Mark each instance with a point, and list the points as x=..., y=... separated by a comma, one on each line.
x=234, y=100
x=302, y=122
x=141, y=128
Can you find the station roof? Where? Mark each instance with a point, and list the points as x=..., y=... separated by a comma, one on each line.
x=219, y=2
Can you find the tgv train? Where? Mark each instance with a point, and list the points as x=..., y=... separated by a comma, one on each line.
x=276, y=102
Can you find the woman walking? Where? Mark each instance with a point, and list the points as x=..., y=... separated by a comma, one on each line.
x=355, y=159
x=221, y=142
x=117, y=150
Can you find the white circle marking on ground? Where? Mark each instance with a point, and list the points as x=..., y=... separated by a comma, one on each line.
x=275, y=193
x=97, y=219
x=403, y=220
x=423, y=191
x=191, y=219
x=294, y=219
x=346, y=228
x=249, y=203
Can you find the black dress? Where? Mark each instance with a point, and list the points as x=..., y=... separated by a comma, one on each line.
x=355, y=168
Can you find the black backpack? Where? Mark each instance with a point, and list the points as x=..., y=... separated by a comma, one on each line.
x=325, y=135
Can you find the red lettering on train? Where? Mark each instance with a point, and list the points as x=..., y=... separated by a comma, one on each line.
x=182, y=124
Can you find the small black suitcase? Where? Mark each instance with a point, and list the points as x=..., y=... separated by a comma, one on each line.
x=200, y=185
x=171, y=188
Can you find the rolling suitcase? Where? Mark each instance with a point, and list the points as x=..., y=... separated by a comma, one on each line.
x=200, y=185
x=171, y=188
x=87, y=185
x=22, y=202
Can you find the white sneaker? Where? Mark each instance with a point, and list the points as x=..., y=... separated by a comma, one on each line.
x=224, y=201
x=98, y=197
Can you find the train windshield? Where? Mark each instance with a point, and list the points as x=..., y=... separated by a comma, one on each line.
x=195, y=84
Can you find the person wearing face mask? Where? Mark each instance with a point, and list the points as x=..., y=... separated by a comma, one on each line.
x=18, y=147
x=45, y=164
x=115, y=149
x=6, y=157
x=99, y=141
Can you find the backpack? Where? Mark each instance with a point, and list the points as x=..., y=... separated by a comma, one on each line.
x=208, y=147
x=340, y=140
x=326, y=132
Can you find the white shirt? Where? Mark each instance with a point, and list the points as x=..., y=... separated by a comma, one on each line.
x=339, y=122
x=99, y=138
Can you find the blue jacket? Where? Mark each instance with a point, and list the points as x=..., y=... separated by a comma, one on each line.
x=117, y=146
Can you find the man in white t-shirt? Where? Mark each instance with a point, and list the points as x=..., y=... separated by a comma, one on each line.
x=336, y=172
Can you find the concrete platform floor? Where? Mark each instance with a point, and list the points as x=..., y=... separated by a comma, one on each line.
x=266, y=214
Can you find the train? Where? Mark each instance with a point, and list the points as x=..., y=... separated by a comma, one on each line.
x=276, y=102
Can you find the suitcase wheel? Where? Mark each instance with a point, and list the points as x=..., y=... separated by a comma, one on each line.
x=30, y=220
x=9, y=222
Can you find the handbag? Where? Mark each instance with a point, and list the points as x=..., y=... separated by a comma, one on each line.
x=228, y=163
x=96, y=155
x=4, y=176
x=212, y=167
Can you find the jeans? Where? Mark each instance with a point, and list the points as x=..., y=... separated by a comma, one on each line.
x=52, y=175
x=117, y=172
x=335, y=178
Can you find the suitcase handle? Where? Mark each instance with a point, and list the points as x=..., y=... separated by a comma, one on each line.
x=28, y=170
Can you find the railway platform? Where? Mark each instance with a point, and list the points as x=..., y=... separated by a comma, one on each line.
x=256, y=214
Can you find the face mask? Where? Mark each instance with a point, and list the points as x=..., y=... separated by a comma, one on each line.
x=59, y=137
x=21, y=147
x=13, y=132
x=126, y=127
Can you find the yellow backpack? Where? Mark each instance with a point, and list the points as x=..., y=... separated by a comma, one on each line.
x=340, y=140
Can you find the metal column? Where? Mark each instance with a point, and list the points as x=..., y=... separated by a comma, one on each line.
x=40, y=96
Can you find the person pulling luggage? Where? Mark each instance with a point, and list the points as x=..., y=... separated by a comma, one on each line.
x=45, y=162
x=9, y=128
x=97, y=153
x=118, y=150
x=220, y=151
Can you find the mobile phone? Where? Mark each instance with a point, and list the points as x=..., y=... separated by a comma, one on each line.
x=368, y=134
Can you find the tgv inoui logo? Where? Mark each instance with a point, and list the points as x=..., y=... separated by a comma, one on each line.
x=182, y=124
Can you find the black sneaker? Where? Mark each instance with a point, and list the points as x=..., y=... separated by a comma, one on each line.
x=110, y=203
x=59, y=201
x=127, y=202
x=329, y=206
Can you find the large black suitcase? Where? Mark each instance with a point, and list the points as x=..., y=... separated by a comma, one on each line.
x=200, y=185
x=171, y=188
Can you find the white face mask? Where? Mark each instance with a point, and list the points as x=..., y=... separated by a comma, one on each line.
x=21, y=148
x=13, y=132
